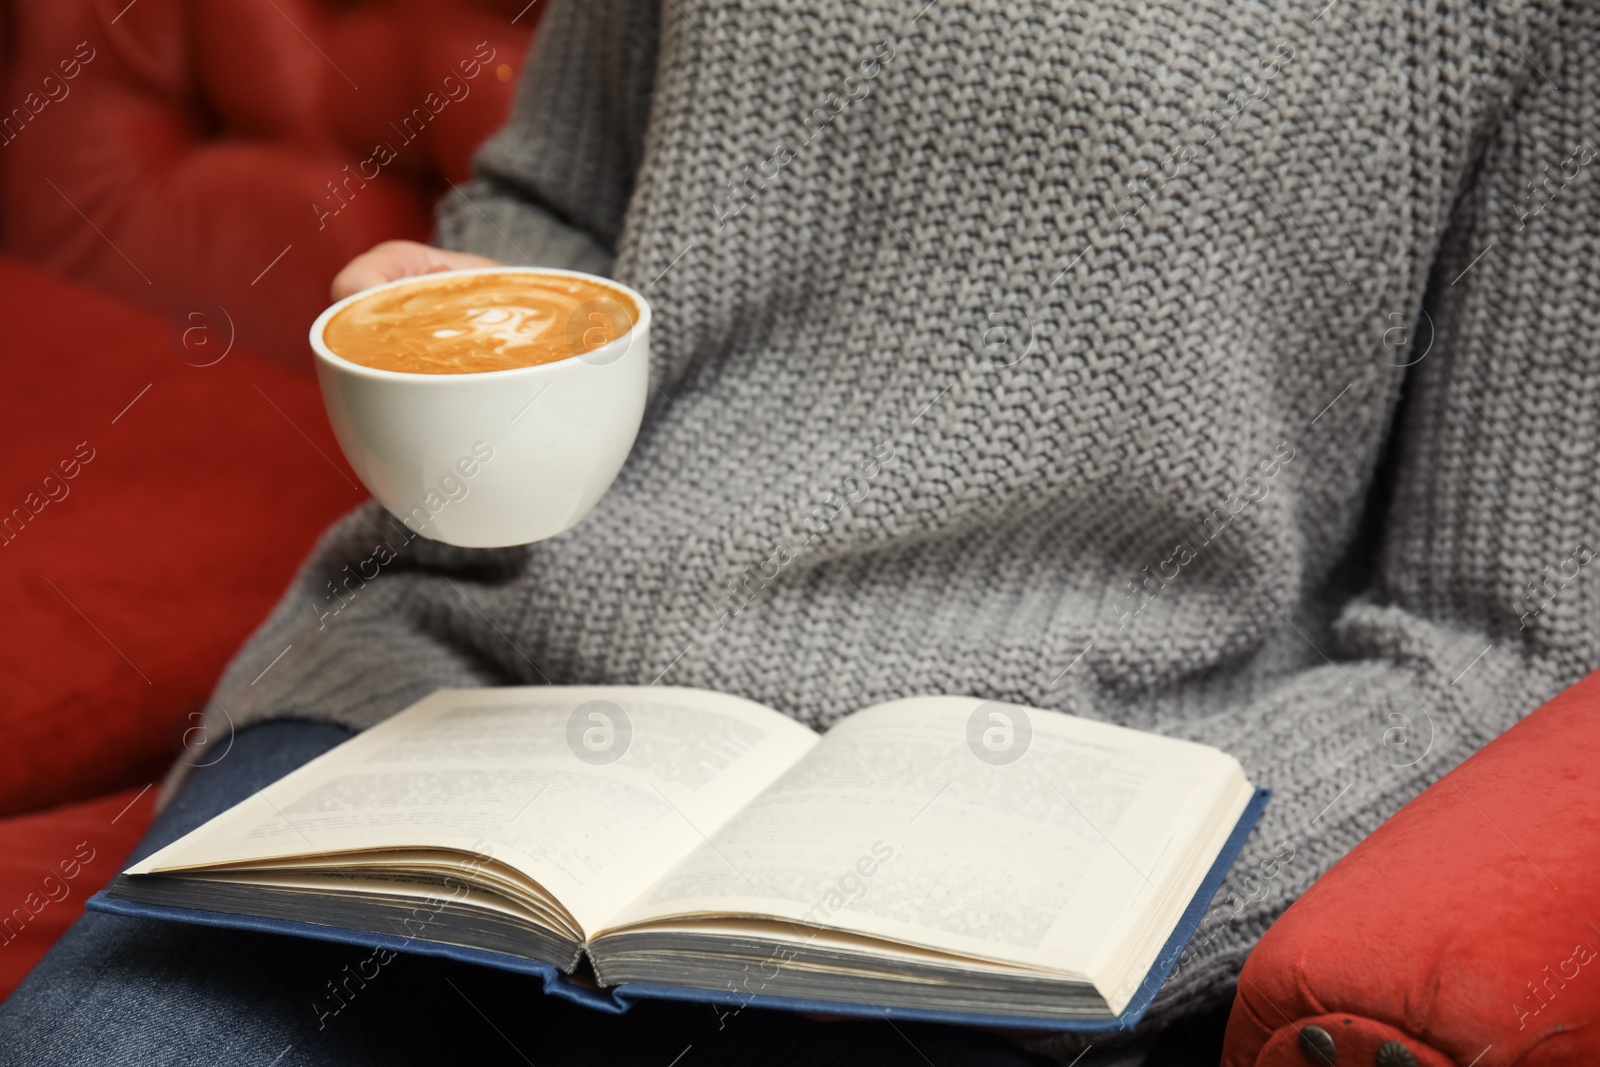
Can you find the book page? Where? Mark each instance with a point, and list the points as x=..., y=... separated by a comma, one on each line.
x=593, y=792
x=905, y=823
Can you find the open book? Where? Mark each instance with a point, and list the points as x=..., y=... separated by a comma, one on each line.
x=935, y=857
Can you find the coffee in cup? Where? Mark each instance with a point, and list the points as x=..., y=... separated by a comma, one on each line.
x=479, y=322
x=486, y=407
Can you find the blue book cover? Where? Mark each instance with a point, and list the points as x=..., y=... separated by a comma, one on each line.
x=618, y=998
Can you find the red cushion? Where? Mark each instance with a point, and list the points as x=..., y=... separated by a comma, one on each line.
x=195, y=143
x=51, y=862
x=1467, y=927
x=195, y=492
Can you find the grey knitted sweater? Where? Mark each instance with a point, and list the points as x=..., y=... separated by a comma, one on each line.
x=1226, y=370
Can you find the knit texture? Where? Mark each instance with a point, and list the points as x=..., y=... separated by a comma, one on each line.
x=1225, y=370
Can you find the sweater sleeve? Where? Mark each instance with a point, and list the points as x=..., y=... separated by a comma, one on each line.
x=1474, y=603
x=552, y=186
x=360, y=632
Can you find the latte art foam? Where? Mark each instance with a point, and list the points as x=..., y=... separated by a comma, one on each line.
x=472, y=323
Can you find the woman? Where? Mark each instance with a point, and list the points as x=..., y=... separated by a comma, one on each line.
x=1231, y=374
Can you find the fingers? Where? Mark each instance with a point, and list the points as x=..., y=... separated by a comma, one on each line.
x=391, y=260
x=383, y=263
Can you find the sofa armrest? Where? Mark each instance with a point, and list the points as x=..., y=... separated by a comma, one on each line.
x=1465, y=930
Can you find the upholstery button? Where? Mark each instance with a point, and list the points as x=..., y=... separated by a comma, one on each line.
x=1394, y=1054
x=1316, y=1045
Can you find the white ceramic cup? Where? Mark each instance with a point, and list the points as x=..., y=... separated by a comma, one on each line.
x=495, y=458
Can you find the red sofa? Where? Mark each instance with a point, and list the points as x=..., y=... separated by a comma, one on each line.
x=160, y=479
x=186, y=155
x=1465, y=930
x=151, y=512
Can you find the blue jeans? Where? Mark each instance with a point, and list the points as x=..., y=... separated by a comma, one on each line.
x=117, y=990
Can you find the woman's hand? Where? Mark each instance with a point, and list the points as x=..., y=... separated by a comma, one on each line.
x=399, y=259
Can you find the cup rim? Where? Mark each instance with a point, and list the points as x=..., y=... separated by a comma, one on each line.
x=325, y=354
